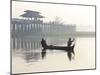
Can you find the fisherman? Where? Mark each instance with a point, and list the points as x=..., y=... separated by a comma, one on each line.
x=43, y=43
x=69, y=42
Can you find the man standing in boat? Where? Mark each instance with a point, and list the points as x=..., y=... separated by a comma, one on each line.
x=69, y=42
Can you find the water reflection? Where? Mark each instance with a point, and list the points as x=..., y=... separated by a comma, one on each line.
x=26, y=44
x=31, y=56
x=30, y=49
x=26, y=48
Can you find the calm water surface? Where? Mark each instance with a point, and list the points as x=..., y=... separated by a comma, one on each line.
x=26, y=55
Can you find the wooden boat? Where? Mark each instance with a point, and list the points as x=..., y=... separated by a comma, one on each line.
x=68, y=49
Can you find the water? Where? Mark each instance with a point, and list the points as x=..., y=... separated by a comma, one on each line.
x=26, y=55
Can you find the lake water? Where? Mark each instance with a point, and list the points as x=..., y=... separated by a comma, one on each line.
x=26, y=55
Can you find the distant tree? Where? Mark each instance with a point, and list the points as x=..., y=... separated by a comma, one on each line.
x=57, y=20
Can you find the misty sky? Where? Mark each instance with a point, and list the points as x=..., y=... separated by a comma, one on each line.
x=69, y=14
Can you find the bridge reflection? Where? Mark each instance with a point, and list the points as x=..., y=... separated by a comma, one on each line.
x=26, y=44
x=30, y=49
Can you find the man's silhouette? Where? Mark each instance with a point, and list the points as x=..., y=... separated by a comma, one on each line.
x=43, y=43
x=69, y=42
x=70, y=51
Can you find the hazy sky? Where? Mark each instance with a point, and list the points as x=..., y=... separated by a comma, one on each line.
x=69, y=14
